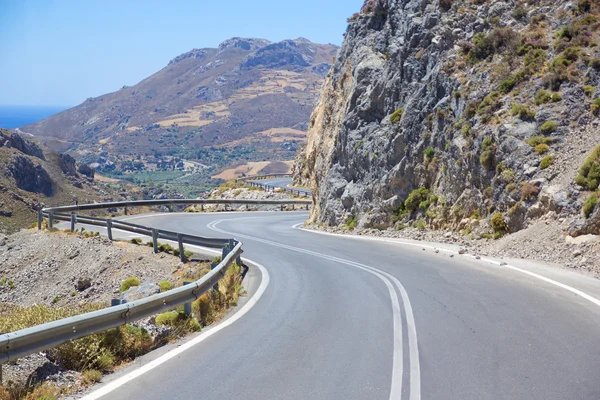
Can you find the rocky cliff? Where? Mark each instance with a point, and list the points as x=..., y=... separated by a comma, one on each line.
x=461, y=114
x=31, y=177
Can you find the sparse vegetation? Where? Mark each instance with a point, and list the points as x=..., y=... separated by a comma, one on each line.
x=129, y=283
x=488, y=153
x=590, y=205
x=543, y=97
x=541, y=148
x=351, y=222
x=537, y=140
x=546, y=162
x=498, y=224
x=92, y=376
x=589, y=173
x=548, y=127
x=181, y=323
x=136, y=241
x=165, y=286
x=416, y=198
x=523, y=112
x=595, y=106
x=396, y=115
x=529, y=191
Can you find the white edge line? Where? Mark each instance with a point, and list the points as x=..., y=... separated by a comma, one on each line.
x=571, y=289
x=109, y=387
x=397, y=356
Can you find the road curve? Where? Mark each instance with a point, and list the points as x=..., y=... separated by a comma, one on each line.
x=344, y=318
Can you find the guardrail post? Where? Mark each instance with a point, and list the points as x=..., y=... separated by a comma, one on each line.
x=40, y=219
x=187, y=307
x=293, y=207
x=155, y=239
x=202, y=207
x=307, y=207
x=181, y=249
x=282, y=207
x=50, y=220
x=109, y=228
x=73, y=221
x=125, y=210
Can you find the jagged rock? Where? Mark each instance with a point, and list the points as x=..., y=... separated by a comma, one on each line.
x=29, y=176
x=145, y=289
x=23, y=145
x=83, y=283
x=67, y=165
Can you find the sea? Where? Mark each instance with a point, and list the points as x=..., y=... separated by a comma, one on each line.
x=14, y=116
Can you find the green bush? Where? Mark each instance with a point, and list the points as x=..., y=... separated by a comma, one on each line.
x=179, y=321
x=543, y=97
x=541, y=148
x=536, y=140
x=396, y=115
x=522, y=111
x=429, y=153
x=488, y=106
x=165, y=247
x=595, y=106
x=590, y=205
x=165, y=286
x=92, y=376
x=136, y=241
x=589, y=173
x=508, y=175
x=498, y=223
x=546, y=162
x=548, y=127
x=351, y=222
x=416, y=198
x=508, y=84
x=129, y=282
x=588, y=90
x=488, y=153
x=497, y=41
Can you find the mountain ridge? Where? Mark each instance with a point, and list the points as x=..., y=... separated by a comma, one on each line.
x=202, y=99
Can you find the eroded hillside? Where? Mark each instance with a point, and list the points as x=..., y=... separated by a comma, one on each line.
x=31, y=177
x=247, y=100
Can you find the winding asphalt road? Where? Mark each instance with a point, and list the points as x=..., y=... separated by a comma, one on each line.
x=346, y=318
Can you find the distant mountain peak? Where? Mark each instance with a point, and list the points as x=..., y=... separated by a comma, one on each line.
x=248, y=44
x=194, y=53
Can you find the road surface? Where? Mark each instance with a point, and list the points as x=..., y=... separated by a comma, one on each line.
x=285, y=183
x=345, y=318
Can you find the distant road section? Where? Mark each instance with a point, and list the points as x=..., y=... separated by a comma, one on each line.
x=282, y=183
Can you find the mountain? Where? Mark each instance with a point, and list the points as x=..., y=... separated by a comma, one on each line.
x=247, y=100
x=32, y=177
x=457, y=114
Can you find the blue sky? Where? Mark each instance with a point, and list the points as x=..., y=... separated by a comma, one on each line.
x=60, y=52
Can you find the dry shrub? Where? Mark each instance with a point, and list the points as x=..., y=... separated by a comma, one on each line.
x=529, y=191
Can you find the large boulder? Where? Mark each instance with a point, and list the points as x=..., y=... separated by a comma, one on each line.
x=145, y=289
x=67, y=165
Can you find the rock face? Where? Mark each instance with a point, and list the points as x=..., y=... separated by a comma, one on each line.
x=465, y=99
x=30, y=177
x=24, y=146
x=67, y=165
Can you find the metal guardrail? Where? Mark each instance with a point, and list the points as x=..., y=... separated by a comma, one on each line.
x=30, y=340
x=272, y=188
x=265, y=176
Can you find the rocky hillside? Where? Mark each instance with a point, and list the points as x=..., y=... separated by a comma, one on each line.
x=460, y=114
x=32, y=177
x=247, y=100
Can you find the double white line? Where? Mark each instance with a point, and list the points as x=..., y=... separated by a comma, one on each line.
x=392, y=285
